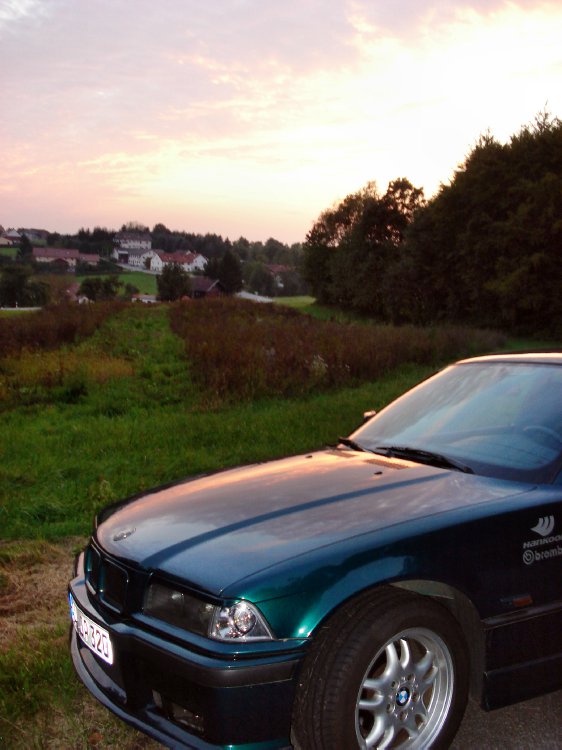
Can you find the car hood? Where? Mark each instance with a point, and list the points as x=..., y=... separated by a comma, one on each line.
x=218, y=529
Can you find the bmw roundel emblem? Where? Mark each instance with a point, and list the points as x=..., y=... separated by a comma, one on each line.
x=123, y=534
x=402, y=697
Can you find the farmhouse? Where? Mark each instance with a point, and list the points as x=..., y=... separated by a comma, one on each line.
x=10, y=238
x=130, y=242
x=188, y=261
x=140, y=258
x=63, y=258
x=58, y=256
x=203, y=286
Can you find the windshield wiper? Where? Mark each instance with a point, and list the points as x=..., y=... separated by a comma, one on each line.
x=349, y=443
x=422, y=456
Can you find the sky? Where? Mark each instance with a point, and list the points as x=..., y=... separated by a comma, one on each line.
x=251, y=117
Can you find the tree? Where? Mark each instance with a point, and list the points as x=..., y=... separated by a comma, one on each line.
x=134, y=226
x=18, y=289
x=173, y=283
x=97, y=289
x=350, y=246
x=25, y=250
x=212, y=268
x=258, y=279
x=242, y=248
x=230, y=273
x=487, y=248
x=13, y=282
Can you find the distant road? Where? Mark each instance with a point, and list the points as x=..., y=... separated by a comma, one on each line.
x=19, y=309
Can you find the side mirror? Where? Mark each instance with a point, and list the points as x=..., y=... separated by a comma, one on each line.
x=367, y=415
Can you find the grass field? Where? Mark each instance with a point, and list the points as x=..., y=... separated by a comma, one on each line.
x=94, y=421
x=144, y=282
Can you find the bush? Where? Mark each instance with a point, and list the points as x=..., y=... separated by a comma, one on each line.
x=52, y=326
x=242, y=350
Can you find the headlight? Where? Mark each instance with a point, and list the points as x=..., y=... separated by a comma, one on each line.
x=239, y=621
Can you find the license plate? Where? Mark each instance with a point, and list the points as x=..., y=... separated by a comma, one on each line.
x=95, y=637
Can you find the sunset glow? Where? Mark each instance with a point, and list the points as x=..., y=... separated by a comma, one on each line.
x=249, y=118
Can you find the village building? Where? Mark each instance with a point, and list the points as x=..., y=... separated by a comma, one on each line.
x=10, y=238
x=56, y=255
x=130, y=242
x=203, y=286
x=189, y=262
x=140, y=258
x=63, y=258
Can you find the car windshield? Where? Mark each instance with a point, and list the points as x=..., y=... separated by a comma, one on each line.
x=496, y=418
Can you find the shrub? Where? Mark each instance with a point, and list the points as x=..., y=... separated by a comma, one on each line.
x=242, y=350
x=52, y=326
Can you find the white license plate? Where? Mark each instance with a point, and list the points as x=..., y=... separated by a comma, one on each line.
x=95, y=637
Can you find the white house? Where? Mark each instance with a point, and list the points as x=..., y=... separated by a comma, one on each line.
x=10, y=237
x=141, y=258
x=126, y=242
x=188, y=261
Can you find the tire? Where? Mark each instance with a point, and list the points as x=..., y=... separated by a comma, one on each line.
x=390, y=670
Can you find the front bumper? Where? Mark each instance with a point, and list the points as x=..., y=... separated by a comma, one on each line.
x=185, y=697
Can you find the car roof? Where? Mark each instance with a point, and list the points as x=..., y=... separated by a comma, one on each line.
x=539, y=358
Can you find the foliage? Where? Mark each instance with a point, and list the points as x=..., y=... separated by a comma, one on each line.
x=243, y=350
x=98, y=241
x=485, y=251
x=104, y=266
x=258, y=279
x=228, y=270
x=292, y=283
x=498, y=226
x=19, y=289
x=173, y=283
x=25, y=250
x=97, y=289
x=52, y=326
x=349, y=247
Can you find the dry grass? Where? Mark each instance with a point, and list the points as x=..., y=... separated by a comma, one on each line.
x=33, y=581
x=34, y=625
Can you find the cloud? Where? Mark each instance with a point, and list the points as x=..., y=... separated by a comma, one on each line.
x=164, y=104
x=15, y=12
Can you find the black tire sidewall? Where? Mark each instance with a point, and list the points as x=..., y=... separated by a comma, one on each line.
x=373, y=628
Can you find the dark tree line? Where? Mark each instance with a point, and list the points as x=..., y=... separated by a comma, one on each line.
x=485, y=251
